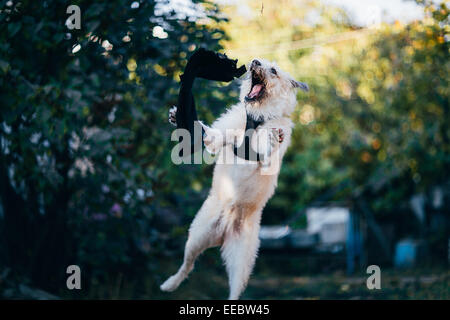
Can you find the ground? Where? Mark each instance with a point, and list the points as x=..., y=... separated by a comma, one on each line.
x=276, y=276
x=269, y=281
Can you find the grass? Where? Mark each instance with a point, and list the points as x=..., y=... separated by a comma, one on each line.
x=275, y=280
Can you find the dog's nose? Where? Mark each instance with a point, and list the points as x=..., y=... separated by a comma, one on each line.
x=256, y=63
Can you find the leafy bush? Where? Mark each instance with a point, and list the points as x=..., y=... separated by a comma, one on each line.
x=84, y=132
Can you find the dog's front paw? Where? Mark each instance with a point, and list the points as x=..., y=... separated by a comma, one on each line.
x=173, y=116
x=276, y=137
x=213, y=139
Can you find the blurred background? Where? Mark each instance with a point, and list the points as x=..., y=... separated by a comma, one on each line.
x=86, y=176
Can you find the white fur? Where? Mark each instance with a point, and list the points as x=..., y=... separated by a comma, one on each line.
x=230, y=216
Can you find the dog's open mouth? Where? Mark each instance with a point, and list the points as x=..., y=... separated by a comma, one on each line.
x=257, y=88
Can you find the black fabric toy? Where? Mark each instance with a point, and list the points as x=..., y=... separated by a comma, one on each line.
x=211, y=66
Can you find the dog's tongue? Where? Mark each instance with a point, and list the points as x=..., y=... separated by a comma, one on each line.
x=255, y=90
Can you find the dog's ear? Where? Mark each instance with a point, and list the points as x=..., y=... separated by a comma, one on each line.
x=300, y=85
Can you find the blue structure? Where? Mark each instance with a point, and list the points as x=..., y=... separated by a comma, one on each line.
x=354, y=243
x=406, y=252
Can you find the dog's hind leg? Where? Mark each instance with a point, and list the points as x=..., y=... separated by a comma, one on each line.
x=239, y=252
x=204, y=233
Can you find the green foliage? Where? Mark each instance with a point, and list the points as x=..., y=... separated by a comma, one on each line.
x=84, y=132
x=85, y=170
x=378, y=121
x=375, y=123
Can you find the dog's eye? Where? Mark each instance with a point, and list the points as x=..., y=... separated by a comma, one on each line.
x=273, y=70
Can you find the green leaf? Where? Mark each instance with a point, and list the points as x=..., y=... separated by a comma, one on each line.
x=4, y=66
x=13, y=28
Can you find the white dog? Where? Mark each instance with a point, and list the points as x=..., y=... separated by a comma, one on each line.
x=230, y=216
